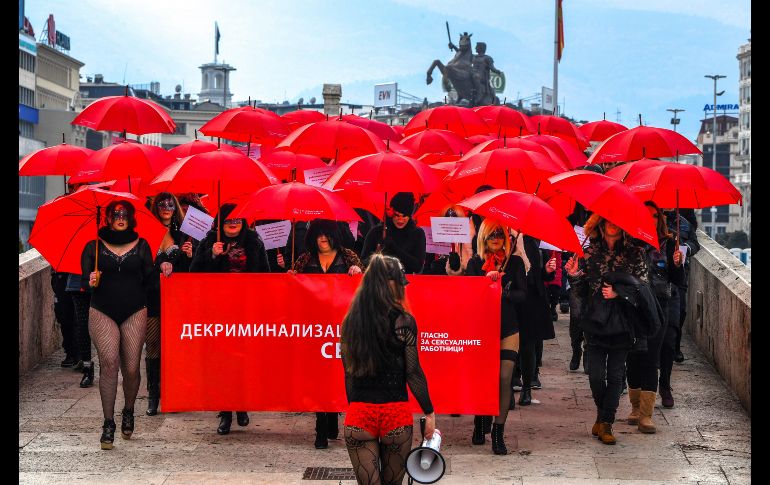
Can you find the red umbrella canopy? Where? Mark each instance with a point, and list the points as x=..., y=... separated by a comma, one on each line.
x=566, y=151
x=681, y=185
x=57, y=160
x=396, y=147
x=332, y=140
x=434, y=158
x=247, y=124
x=505, y=121
x=463, y=121
x=64, y=225
x=642, y=142
x=383, y=130
x=301, y=117
x=524, y=144
x=281, y=163
x=199, y=146
x=526, y=213
x=294, y=201
x=205, y=173
x=138, y=186
x=121, y=161
x=560, y=127
x=503, y=168
x=600, y=130
x=477, y=139
x=610, y=199
x=622, y=172
x=436, y=141
x=399, y=129
x=435, y=205
x=384, y=172
x=126, y=113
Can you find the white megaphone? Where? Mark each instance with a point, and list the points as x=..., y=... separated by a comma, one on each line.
x=425, y=464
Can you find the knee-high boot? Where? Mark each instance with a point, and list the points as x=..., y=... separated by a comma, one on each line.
x=321, y=428
x=153, y=385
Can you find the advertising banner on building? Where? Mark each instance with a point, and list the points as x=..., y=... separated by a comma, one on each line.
x=270, y=342
x=547, y=101
x=385, y=95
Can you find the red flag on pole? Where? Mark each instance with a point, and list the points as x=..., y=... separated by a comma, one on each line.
x=561, y=30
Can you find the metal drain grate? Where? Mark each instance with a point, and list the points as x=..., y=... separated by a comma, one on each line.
x=326, y=473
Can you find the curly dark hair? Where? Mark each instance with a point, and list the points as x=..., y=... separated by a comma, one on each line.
x=328, y=228
x=111, y=208
x=176, y=219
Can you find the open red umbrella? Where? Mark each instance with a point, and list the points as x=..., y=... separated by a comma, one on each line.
x=436, y=141
x=282, y=162
x=505, y=121
x=247, y=124
x=64, y=225
x=524, y=144
x=462, y=121
x=526, y=213
x=434, y=206
x=477, y=139
x=383, y=130
x=642, y=142
x=564, y=149
x=600, y=130
x=126, y=113
x=301, y=117
x=397, y=147
x=199, y=146
x=610, y=199
x=683, y=185
x=57, y=160
x=622, y=172
x=561, y=128
x=399, y=129
x=332, y=140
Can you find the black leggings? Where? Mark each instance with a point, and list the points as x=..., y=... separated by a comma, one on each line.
x=528, y=360
x=670, y=340
x=82, y=301
x=378, y=461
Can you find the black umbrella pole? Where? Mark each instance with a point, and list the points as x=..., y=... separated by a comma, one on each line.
x=219, y=207
x=677, y=219
x=293, y=235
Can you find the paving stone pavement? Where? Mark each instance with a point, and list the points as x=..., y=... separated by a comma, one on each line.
x=705, y=439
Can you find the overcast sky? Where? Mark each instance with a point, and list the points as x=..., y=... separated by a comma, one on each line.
x=620, y=55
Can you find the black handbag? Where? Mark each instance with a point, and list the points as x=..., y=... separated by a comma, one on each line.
x=604, y=317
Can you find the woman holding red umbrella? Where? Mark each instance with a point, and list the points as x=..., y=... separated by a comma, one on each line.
x=118, y=314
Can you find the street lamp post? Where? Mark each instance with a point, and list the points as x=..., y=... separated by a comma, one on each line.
x=714, y=223
x=675, y=120
x=715, y=77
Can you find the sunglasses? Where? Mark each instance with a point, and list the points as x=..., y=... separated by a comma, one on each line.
x=233, y=222
x=120, y=214
x=496, y=234
x=166, y=205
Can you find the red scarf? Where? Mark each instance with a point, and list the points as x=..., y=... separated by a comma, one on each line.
x=494, y=261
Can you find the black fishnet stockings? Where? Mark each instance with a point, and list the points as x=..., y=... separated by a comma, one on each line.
x=153, y=338
x=381, y=462
x=118, y=347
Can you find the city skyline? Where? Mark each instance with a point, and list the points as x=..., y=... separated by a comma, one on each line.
x=635, y=59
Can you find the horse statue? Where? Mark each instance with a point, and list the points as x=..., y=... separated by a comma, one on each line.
x=457, y=73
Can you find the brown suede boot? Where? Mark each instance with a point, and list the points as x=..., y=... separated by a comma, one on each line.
x=633, y=396
x=595, y=428
x=646, y=407
x=605, y=434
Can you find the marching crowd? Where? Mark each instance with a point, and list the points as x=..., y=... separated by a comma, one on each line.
x=626, y=301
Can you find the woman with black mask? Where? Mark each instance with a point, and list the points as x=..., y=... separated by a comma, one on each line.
x=239, y=250
x=403, y=239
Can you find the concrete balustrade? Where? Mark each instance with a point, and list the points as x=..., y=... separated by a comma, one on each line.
x=39, y=334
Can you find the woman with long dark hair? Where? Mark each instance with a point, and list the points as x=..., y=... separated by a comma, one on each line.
x=379, y=355
x=117, y=319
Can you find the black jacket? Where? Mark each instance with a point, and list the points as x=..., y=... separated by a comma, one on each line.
x=513, y=282
x=535, y=311
x=256, y=257
x=407, y=244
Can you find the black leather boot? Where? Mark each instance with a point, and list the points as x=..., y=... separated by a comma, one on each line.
x=153, y=385
x=225, y=420
x=487, y=421
x=321, y=440
x=332, y=427
x=525, y=397
x=478, y=438
x=574, y=362
x=127, y=423
x=498, y=439
x=242, y=417
x=108, y=434
x=88, y=375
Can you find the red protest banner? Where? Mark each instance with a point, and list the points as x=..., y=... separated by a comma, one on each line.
x=270, y=342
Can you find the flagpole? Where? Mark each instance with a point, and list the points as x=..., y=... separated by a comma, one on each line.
x=556, y=58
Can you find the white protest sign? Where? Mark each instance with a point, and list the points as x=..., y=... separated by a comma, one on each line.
x=196, y=223
x=274, y=235
x=545, y=245
x=317, y=176
x=451, y=229
x=581, y=236
x=435, y=247
x=684, y=249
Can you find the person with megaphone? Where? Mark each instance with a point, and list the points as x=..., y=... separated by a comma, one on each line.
x=379, y=356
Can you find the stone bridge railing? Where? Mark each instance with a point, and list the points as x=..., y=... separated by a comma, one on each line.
x=39, y=334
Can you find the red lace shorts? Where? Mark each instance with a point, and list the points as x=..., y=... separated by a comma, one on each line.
x=379, y=419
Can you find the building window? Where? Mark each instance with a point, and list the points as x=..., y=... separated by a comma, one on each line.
x=181, y=129
x=26, y=129
x=26, y=97
x=26, y=61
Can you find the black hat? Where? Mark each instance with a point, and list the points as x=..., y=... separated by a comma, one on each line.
x=403, y=202
x=328, y=228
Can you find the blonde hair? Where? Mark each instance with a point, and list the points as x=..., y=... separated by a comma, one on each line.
x=488, y=227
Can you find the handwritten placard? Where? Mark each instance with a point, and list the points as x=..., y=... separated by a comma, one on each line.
x=435, y=247
x=317, y=176
x=451, y=229
x=274, y=235
x=545, y=245
x=196, y=223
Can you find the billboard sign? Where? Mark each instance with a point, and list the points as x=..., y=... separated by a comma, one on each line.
x=385, y=95
x=548, y=102
x=497, y=81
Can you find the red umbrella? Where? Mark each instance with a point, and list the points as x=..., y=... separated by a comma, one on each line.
x=399, y=129
x=301, y=117
x=560, y=127
x=247, y=124
x=436, y=141
x=199, y=146
x=523, y=143
x=622, y=172
x=383, y=130
x=600, y=130
x=683, y=185
x=477, y=139
x=282, y=162
x=526, y=213
x=563, y=148
x=64, y=225
x=434, y=158
x=610, y=199
x=126, y=113
x=138, y=186
x=396, y=147
x=503, y=168
x=124, y=160
x=435, y=205
x=505, y=121
x=57, y=160
x=332, y=140
x=463, y=121
x=642, y=142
